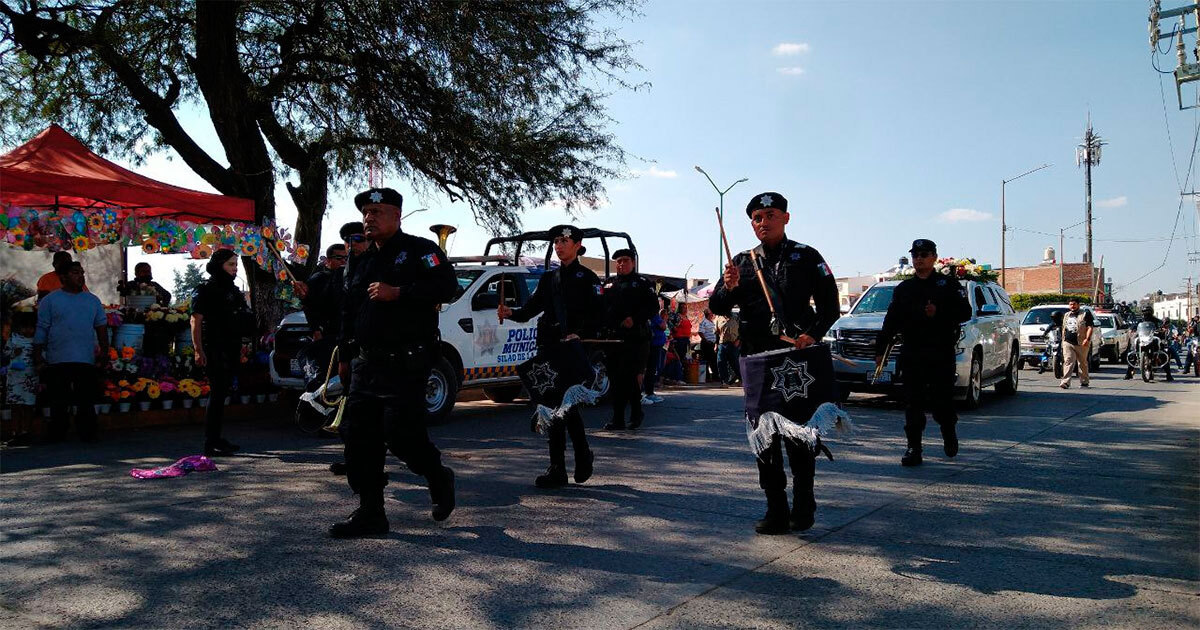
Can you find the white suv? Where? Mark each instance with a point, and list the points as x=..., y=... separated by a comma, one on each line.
x=987, y=343
x=478, y=352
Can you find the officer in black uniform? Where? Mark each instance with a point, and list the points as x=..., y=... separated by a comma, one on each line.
x=388, y=348
x=568, y=299
x=795, y=274
x=927, y=310
x=629, y=303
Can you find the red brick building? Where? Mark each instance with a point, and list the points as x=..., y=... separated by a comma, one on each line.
x=1077, y=277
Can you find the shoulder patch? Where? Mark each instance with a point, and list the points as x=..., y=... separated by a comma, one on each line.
x=431, y=260
x=824, y=268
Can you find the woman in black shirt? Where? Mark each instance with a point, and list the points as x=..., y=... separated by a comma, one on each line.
x=219, y=317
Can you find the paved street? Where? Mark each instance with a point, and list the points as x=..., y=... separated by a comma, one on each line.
x=1070, y=508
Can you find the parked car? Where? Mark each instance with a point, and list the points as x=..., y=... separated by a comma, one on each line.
x=1114, y=337
x=478, y=352
x=988, y=352
x=1033, y=334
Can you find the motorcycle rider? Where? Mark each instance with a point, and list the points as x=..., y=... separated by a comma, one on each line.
x=1148, y=316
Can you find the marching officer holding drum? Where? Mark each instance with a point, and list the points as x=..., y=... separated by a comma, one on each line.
x=794, y=274
x=927, y=311
x=568, y=299
x=629, y=302
x=389, y=344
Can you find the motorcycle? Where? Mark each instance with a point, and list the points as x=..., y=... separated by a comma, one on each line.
x=1148, y=354
x=1192, y=348
x=1052, y=354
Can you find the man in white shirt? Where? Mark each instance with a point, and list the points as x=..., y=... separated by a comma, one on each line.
x=708, y=344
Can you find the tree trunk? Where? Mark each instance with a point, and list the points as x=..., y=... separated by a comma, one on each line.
x=311, y=198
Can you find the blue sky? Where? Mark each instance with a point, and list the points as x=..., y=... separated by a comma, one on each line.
x=876, y=120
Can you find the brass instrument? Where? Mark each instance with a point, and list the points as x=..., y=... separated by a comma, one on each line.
x=443, y=232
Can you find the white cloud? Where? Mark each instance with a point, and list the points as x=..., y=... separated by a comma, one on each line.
x=956, y=215
x=790, y=49
x=792, y=71
x=654, y=172
x=1115, y=202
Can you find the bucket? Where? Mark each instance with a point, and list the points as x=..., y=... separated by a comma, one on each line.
x=691, y=371
x=129, y=335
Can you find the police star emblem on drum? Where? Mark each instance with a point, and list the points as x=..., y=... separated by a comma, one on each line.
x=792, y=379
x=541, y=377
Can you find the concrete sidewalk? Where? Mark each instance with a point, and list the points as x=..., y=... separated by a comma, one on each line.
x=1070, y=508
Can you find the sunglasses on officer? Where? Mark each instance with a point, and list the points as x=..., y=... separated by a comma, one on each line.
x=355, y=238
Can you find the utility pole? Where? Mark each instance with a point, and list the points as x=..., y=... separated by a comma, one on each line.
x=1087, y=154
x=1004, y=222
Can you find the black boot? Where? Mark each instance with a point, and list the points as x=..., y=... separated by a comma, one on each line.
x=441, y=491
x=775, y=521
x=368, y=520
x=950, y=440
x=804, y=513
x=912, y=456
x=618, y=419
x=583, y=466
x=338, y=468
x=636, y=415
x=220, y=446
x=555, y=477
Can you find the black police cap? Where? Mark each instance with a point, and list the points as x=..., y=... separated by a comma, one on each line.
x=569, y=231
x=378, y=195
x=625, y=251
x=767, y=200
x=923, y=245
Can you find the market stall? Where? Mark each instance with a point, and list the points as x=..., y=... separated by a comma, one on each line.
x=55, y=195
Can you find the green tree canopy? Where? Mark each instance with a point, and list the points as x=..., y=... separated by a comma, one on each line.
x=186, y=282
x=492, y=103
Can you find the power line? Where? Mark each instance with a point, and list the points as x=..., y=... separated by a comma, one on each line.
x=1158, y=239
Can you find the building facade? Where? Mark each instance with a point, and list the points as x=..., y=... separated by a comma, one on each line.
x=1044, y=278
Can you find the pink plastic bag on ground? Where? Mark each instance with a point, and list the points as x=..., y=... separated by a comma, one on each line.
x=180, y=468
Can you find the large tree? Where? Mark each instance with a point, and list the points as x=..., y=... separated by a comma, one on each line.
x=491, y=103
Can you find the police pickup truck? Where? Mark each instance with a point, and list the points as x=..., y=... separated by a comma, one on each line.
x=988, y=351
x=478, y=352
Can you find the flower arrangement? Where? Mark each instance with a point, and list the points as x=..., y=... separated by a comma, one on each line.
x=960, y=268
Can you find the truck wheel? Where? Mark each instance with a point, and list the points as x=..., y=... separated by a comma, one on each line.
x=502, y=393
x=440, y=392
x=1008, y=386
x=975, y=383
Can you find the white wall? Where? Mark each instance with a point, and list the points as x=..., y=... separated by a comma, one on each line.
x=102, y=266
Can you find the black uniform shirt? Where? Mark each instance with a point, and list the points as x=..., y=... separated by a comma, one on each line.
x=906, y=314
x=569, y=300
x=226, y=315
x=416, y=266
x=796, y=271
x=323, y=305
x=630, y=295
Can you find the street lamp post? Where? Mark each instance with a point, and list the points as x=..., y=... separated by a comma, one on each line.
x=721, y=214
x=1004, y=223
x=405, y=216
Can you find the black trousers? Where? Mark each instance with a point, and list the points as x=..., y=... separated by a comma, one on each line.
x=572, y=424
x=628, y=362
x=72, y=384
x=223, y=363
x=386, y=411
x=708, y=352
x=773, y=480
x=928, y=377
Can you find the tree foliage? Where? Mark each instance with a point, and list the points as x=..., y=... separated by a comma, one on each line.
x=186, y=282
x=493, y=103
x=1026, y=301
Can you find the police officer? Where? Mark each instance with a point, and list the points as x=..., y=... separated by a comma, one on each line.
x=568, y=299
x=388, y=348
x=629, y=303
x=796, y=275
x=927, y=311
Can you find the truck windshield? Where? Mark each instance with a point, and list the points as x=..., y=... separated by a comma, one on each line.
x=876, y=300
x=1105, y=321
x=1042, y=315
x=466, y=277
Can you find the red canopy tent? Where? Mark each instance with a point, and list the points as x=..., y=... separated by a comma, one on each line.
x=54, y=169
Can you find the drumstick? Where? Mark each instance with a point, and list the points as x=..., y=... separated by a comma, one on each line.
x=721, y=224
x=501, y=297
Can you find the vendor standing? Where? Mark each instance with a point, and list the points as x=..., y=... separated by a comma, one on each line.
x=70, y=325
x=143, y=279
x=220, y=316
